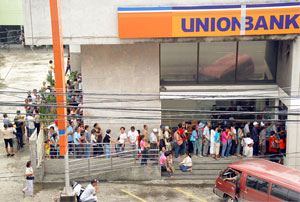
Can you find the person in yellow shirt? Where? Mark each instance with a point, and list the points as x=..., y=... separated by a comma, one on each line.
x=47, y=149
x=50, y=68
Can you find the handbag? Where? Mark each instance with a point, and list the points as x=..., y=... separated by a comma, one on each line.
x=274, y=145
x=29, y=178
x=192, y=138
x=180, y=142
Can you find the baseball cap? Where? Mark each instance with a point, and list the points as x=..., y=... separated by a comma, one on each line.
x=255, y=123
x=155, y=130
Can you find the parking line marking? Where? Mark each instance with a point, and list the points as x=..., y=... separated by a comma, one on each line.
x=191, y=195
x=133, y=195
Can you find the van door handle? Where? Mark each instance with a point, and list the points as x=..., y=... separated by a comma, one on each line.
x=219, y=183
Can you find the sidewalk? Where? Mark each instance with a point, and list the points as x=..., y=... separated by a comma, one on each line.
x=20, y=70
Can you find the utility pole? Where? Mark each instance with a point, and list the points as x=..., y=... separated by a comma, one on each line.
x=60, y=84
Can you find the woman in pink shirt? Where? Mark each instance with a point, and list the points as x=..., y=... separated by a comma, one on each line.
x=144, y=149
x=223, y=142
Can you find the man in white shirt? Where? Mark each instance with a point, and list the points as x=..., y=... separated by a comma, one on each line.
x=121, y=142
x=90, y=192
x=31, y=127
x=153, y=143
x=6, y=120
x=206, y=138
x=133, y=140
x=248, y=146
x=247, y=129
x=33, y=97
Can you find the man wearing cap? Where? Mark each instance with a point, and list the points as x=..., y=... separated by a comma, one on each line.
x=153, y=141
x=255, y=138
x=89, y=194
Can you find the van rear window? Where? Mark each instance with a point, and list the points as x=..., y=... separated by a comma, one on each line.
x=284, y=193
x=257, y=184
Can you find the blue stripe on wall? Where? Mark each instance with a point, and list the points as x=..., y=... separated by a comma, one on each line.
x=273, y=5
x=145, y=9
x=206, y=7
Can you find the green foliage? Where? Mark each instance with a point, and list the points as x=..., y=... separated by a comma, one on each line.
x=50, y=80
x=72, y=75
x=51, y=99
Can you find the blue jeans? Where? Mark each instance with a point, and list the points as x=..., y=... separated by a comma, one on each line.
x=177, y=148
x=107, y=151
x=229, y=142
x=224, y=145
x=200, y=146
x=20, y=139
x=144, y=157
x=183, y=148
x=194, y=147
x=184, y=168
x=120, y=150
x=87, y=150
x=30, y=132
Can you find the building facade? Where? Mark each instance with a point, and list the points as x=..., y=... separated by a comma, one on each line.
x=150, y=62
x=11, y=22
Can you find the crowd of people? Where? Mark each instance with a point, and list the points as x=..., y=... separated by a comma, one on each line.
x=190, y=138
x=195, y=138
x=37, y=104
x=233, y=139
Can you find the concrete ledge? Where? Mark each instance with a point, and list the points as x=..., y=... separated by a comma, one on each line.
x=173, y=182
x=146, y=173
x=130, y=174
x=54, y=166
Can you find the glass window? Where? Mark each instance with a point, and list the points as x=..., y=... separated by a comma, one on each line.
x=257, y=184
x=178, y=62
x=262, y=186
x=257, y=60
x=217, y=61
x=293, y=196
x=251, y=182
x=279, y=192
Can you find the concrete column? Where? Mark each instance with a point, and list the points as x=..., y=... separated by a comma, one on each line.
x=75, y=57
x=276, y=109
x=126, y=79
x=293, y=125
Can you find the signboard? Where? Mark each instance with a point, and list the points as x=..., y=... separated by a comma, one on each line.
x=208, y=21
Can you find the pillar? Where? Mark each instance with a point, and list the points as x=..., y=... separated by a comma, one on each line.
x=75, y=57
x=293, y=123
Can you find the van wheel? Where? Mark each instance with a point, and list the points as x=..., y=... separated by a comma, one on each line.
x=230, y=199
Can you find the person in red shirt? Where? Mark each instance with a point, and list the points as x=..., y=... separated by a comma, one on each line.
x=182, y=134
x=282, y=146
x=273, y=147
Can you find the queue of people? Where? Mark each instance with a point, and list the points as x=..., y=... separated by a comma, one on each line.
x=203, y=140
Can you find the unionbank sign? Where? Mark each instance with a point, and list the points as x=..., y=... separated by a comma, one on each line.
x=205, y=21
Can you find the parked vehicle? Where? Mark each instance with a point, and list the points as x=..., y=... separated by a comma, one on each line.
x=258, y=180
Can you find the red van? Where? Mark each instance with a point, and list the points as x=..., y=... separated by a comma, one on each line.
x=258, y=180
